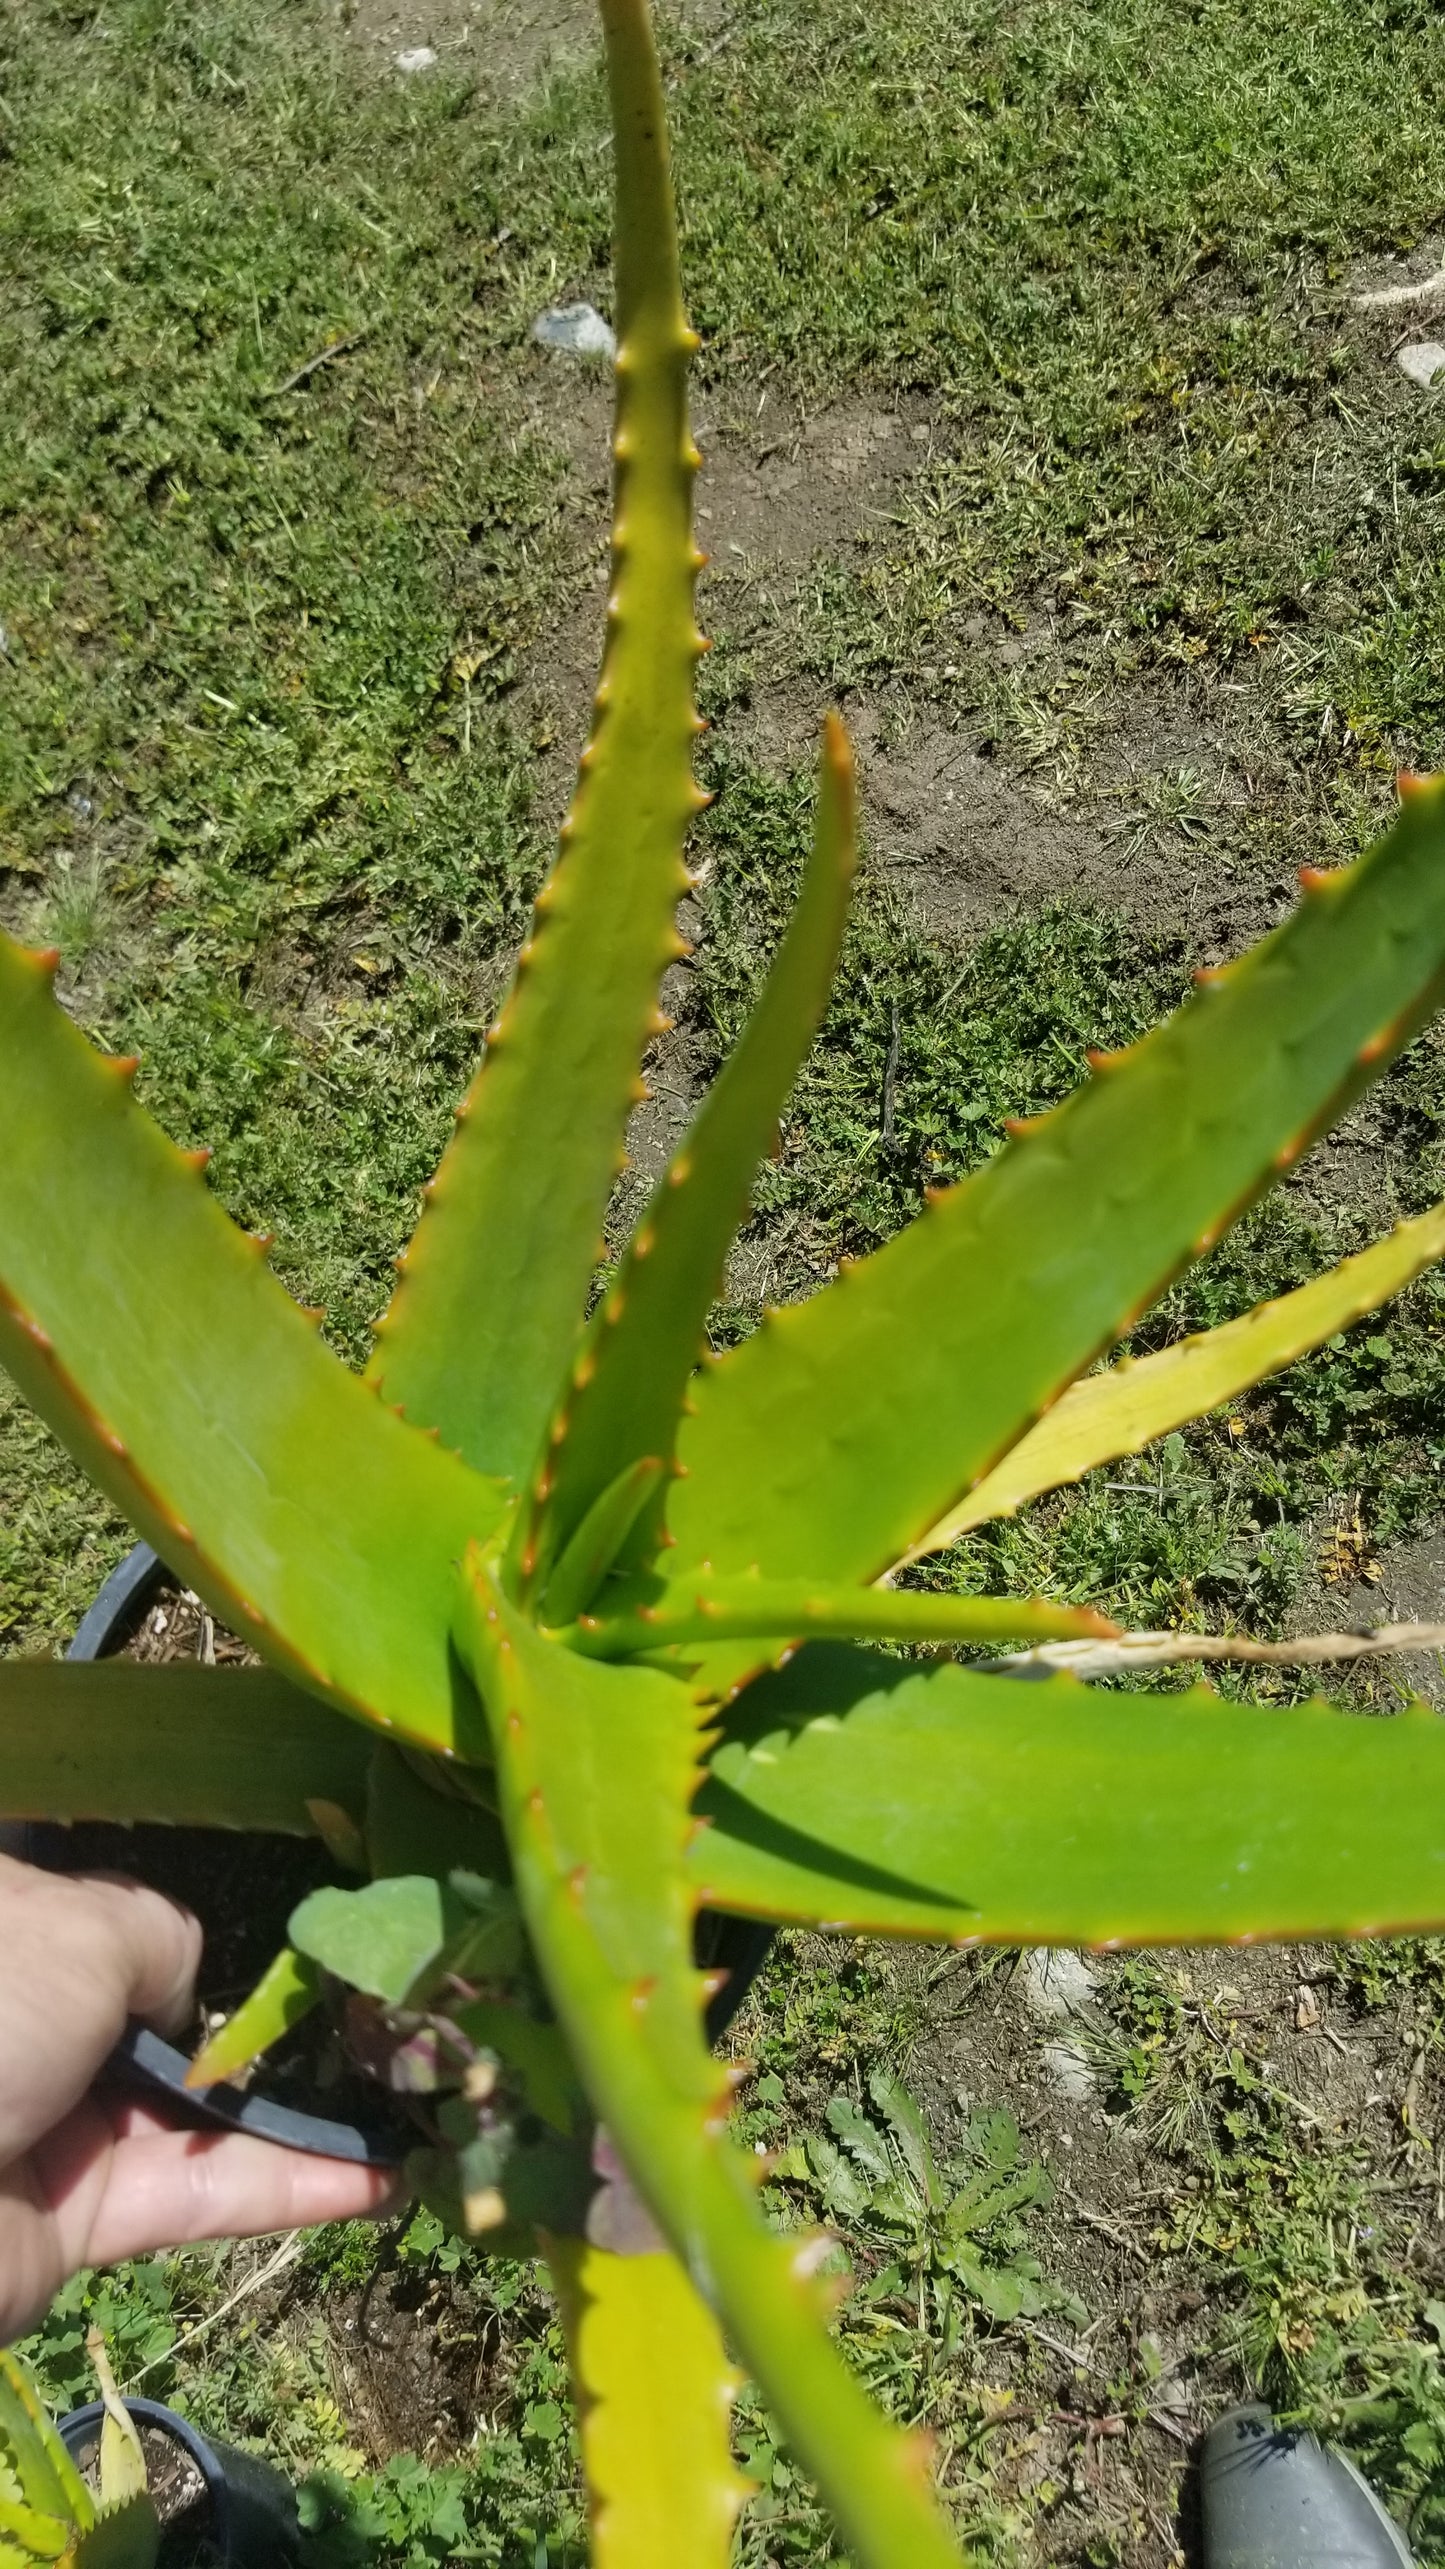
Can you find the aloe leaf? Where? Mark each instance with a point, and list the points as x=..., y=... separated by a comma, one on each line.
x=233, y=1748
x=1126, y=1408
x=848, y=1426
x=419, y=1821
x=44, y=2537
x=126, y=2536
x=707, y=1609
x=32, y=2451
x=196, y=1748
x=642, y=1345
x=149, y=1333
x=654, y=2392
x=494, y=1285
x=122, y=2461
x=588, y=1554
x=854, y=1791
x=596, y=1766
x=287, y=1990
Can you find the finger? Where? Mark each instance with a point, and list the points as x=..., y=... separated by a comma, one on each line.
x=166, y=2189
x=161, y=1943
x=81, y=1955
x=35, y=2240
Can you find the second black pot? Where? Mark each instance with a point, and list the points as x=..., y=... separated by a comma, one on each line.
x=247, y=2516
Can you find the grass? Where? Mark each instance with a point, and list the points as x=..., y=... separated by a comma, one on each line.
x=269, y=776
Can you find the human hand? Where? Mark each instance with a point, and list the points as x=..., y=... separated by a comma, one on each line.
x=87, y=2179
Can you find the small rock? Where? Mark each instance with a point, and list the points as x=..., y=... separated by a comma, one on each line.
x=576, y=329
x=416, y=58
x=1061, y=1990
x=1422, y=361
x=1058, y=1982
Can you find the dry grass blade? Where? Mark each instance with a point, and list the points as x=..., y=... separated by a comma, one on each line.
x=1166, y=1649
x=1390, y=297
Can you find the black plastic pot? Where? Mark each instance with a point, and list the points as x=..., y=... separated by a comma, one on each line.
x=251, y=2520
x=737, y=1946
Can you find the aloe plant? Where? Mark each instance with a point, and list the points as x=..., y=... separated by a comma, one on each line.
x=48, y=2513
x=565, y=1623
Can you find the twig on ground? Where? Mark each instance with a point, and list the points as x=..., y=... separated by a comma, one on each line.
x=1420, y=290
x=324, y=356
x=286, y=2255
x=1163, y=1649
x=1096, y=2221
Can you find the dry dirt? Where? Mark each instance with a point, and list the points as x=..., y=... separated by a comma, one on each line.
x=507, y=45
x=970, y=833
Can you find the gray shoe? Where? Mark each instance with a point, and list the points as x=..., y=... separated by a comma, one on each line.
x=1272, y=2498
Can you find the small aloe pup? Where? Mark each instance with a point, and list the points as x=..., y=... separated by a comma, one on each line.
x=566, y=1625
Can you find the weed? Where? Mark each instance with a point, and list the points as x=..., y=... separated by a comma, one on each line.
x=952, y=2231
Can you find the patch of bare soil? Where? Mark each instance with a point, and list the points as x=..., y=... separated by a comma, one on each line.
x=1109, y=2460
x=779, y=488
x=507, y=45
x=1352, y=1587
x=1168, y=803
x=416, y=2359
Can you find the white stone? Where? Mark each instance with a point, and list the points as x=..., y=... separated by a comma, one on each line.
x=1059, y=1987
x=1422, y=361
x=576, y=329
x=416, y=58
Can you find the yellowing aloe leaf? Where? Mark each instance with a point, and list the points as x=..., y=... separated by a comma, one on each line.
x=122, y=2462
x=655, y=2392
x=494, y=1285
x=33, y=2452
x=856, y=1791
x=44, y=2537
x=1124, y=1409
x=287, y=1990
